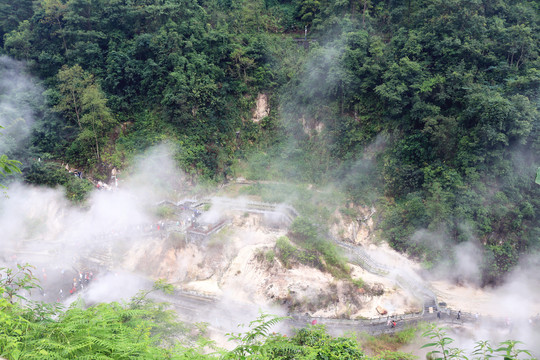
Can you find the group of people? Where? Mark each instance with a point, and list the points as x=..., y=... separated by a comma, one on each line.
x=103, y=186
x=508, y=323
x=79, y=283
x=160, y=225
x=535, y=320
x=458, y=315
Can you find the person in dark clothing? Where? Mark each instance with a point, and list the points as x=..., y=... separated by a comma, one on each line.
x=459, y=314
x=439, y=314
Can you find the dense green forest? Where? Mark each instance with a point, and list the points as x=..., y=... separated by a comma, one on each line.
x=426, y=109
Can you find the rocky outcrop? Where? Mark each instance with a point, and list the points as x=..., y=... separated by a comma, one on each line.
x=355, y=225
x=242, y=263
x=311, y=127
x=262, y=108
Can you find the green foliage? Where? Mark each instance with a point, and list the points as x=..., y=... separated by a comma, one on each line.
x=83, y=104
x=8, y=166
x=285, y=250
x=304, y=231
x=14, y=281
x=442, y=98
x=499, y=259
x=483, y=349
x=52, y=174
x=314, y=249
x=441, y=341
x=425, y=109
x=165, y=212
x=269, y=256
x=317, y=206
x=144, y=329
x=312, y=342
x=386, y=345
x=358, y=283
x=140, y=329
x=405, y=336
x=11, y=14
x=187, y=69
x=320, y=345
x=252, y=340
x=394, y=355
x=306, y=234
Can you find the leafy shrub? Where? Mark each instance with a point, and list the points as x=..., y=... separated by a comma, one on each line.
x=306, y=234
x=165, y=212
x=285, y=250
x=52, y=174
x=270, y=255
x=483, y=350
x=358, y=283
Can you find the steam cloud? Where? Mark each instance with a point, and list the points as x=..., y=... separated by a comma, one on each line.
x=18, y=93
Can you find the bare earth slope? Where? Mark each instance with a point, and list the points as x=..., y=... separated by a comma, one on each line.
x=227, y=265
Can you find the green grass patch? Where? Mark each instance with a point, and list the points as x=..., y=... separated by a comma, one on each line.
x=386, y=346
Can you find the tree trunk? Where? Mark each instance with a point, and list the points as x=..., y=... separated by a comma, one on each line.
x=76, y=109
x=364, y=14
x=96, y=139
x=62, y=34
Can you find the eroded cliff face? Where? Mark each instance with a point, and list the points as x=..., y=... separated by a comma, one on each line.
x=262, y=108
x=357, y=226
x=234, y=263
x=311, y=126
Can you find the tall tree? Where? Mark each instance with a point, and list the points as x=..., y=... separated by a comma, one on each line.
x=83, y=102
x=97, y=119
x=72, y=81
x=11, y=14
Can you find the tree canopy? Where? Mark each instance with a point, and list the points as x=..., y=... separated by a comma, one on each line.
x=428, y=109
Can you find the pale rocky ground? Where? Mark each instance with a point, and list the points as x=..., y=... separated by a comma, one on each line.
x=469, y=297
x=262, y=108
x=497, y=302
x=466, y=298
x=227, y=264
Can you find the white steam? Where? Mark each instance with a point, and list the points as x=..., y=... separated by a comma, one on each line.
x=18, y=91
x=36, y=220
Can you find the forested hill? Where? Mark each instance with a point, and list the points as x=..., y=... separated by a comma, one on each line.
x=443, y=94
